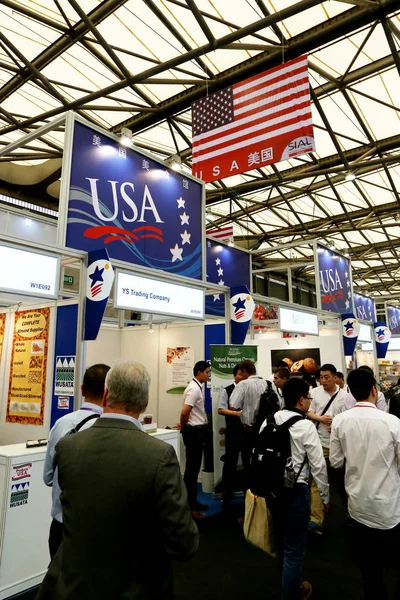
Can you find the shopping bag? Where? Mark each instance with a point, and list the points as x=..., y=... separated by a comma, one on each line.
x=257, y=527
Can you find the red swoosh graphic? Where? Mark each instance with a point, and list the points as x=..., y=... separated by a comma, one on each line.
x=152, y=235
x=96, y=232
x=114, y=238
x=149, y=228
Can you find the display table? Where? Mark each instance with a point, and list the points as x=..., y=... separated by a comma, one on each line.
x=25, y=504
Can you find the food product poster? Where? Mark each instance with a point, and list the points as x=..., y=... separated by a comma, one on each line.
x=300, y=361
x=180, y=363
x=223, y=360
x=2, y=327
x=27, y=385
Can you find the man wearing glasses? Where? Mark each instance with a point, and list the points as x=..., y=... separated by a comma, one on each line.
x=367, y=440
x=326, y=402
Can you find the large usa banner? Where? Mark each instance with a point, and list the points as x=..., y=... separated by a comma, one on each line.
x=262, y=120
x=364, y=307
x=334, y=271
x=393, y=319
x=140, y=210
x=225, y=266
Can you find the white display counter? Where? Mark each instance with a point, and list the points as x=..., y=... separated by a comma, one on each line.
x=25, y=504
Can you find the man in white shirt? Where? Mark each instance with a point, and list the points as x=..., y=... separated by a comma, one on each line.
x=292, y=515
x=327, y=402
x=92, y=390
x=367, y=440
x=193, y=423
x=281, y=376
x=350, y=401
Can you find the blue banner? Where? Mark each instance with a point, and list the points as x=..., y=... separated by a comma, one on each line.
x=393, y=319
x=225, y=266
x=143, y=212
x=335, y=281
x=100, y=277
x=242, y=308
x=382, y=339
x=351, y=329
x=364, y=307
x=64, y=362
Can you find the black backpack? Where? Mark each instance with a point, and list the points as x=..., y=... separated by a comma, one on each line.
x=271, y=464
x=268, y=406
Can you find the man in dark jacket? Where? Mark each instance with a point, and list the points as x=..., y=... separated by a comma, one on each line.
x=124, y=504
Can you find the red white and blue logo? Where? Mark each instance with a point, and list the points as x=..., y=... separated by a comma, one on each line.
x=350, y=329
x=242, y=308
x=100, y=277
x=382, y=338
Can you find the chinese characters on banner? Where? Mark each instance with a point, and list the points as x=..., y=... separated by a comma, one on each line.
x=27, y=384
x=393, y=319
x=2, y=327
x=335, y=281
x=180, y=362
x=262, y=120
x=137, y=208
x=364, y=307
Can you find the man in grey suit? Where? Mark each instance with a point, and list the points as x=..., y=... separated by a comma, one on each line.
x=124, y=504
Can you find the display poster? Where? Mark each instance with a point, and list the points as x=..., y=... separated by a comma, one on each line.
x=364, y=307
x=335, y=281
x=180, y=363
x=139, y=209
x=393, y=319
x=64, y=377
x=3, y=317
x=223, y=360
x=27, y=384
x=225, y=266
x=300, y=361
x=268, y=314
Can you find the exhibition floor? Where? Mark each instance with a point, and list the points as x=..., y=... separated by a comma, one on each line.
x=227, y=568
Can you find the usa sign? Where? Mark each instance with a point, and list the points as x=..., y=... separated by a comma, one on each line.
x=334, y=272
x=134, y=206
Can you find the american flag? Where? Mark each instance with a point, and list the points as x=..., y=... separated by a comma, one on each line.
x=262, y=120
x=224, y=233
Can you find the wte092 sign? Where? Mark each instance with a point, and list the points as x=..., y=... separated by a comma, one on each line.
x=133, y=205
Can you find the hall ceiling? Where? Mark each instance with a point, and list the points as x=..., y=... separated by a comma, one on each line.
x=141, y=63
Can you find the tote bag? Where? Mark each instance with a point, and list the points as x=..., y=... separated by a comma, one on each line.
x=257, y=527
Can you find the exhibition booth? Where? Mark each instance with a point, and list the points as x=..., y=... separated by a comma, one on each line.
x=132, y=277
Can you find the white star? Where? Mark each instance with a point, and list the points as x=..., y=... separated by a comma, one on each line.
x=181, y=202
x=216, y=297
x=220, y=272
x=346, y=275
x=220, y=282
x=185, y=237
x=217, y=261
x=208, y=244
x=176, y=253
x=347, y=304
x=348, y=294
x=348, y=283
x=184, y=219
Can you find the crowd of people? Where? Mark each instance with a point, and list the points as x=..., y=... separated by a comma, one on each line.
x=118, y=497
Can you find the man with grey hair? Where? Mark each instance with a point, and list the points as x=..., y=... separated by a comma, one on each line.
x=124, y=504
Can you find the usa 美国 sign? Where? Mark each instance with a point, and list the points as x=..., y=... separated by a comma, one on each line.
x=141, y=211
x=335, y=282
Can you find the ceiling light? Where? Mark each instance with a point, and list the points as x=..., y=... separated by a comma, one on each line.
x=28, y=222
x=350, y=176
x=174, y=162
x=126, y=137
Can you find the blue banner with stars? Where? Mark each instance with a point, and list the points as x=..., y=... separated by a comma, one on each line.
x=136, y=207
x=364, y=307
x=335, y=281
x=225, y=266
x=99, y=280
x=351, y=329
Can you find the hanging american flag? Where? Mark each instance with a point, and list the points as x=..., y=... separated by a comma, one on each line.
x=223, y=233
x=262, y=120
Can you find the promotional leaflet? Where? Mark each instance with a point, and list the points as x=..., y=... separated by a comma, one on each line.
x=27, y=384
x=180, y=361
x=223, y=360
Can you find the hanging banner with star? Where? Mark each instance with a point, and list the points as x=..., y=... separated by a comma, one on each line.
x=382, y=338
x=364, y=307
x=393, y=319
x=225, y=266
x=135, y=206
x=100, y=277
x=335, y=282
x=242, y=308
x=351, y=329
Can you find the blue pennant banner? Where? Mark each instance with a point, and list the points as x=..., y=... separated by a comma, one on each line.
x=335, y=281
x=100, y=277
x=382, y=339
x=351, y=329
x=242, y=308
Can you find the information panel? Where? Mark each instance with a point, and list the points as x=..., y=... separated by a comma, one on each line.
x=297, y=321
x=158, y=297
x=28, y=273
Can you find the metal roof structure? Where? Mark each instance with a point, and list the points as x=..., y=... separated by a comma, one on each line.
x=139, y=64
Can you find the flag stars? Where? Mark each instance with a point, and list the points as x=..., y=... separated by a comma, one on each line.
x=220, y=282
x=181, y=202
x=216, y=297
x=176, y=253
x=220, y=272
x=185, y=237
x=184, y=219
x=217, y=261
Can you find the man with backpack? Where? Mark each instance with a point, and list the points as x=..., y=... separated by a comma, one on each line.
x=256, y=399
x=286, y=451
x=93, y=391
